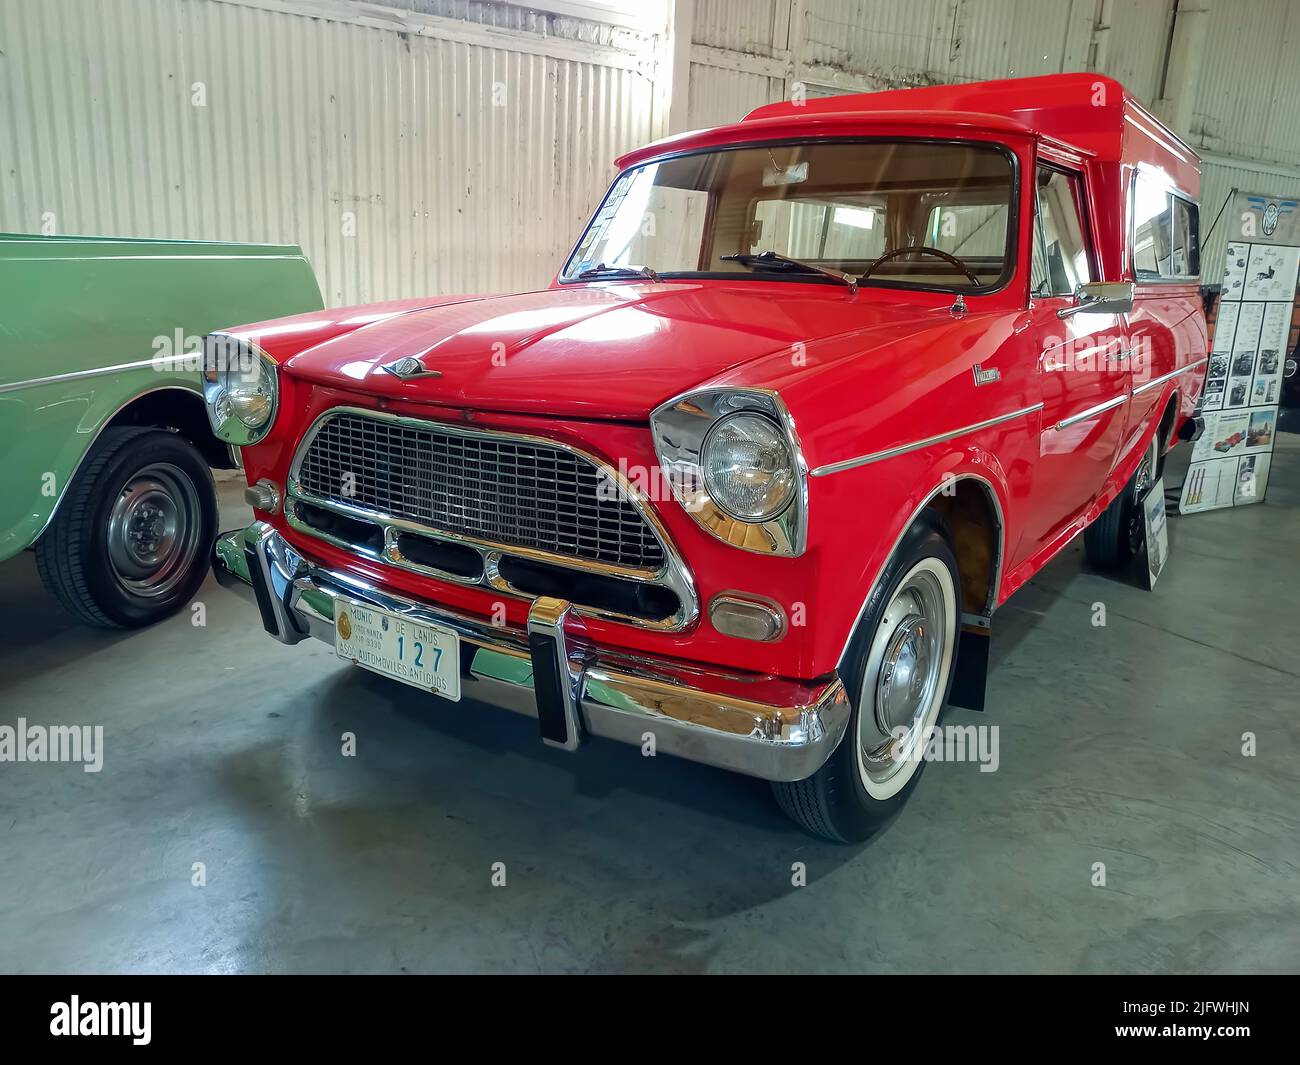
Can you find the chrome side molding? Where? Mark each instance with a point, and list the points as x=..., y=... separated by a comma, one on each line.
x=917, y=445
x=1092, y=412
x=1155, y=382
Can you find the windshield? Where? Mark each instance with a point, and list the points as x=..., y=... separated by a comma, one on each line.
x=835, y=205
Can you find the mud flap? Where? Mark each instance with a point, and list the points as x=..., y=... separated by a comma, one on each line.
x=971, y=671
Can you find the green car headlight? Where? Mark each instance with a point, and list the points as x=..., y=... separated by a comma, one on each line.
x=240, y=389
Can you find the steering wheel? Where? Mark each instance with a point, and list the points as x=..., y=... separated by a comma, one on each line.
x=896, y=252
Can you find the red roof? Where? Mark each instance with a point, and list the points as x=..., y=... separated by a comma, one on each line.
x=1089, y=112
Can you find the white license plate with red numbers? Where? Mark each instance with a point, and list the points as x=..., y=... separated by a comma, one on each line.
x=424, y=656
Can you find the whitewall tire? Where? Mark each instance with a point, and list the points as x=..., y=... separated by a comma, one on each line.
x=898, y=667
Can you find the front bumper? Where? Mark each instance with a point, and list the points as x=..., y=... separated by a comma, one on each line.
x=761, y=726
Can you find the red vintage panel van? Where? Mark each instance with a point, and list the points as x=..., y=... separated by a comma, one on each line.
x=812, y=395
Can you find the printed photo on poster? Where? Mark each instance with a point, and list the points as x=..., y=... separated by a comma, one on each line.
x=1209, y=486
x=1252, y=479
x=1245, y=348
x=1234, y=275
x=1157, y=531
x=1259, y=433
x=1272, y=351
x=1225, y=435
x=1271, y=273
x=1225, y=327
x=1213, y=395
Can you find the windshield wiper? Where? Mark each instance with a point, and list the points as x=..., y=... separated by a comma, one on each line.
x=601, y=270
x=770, y=260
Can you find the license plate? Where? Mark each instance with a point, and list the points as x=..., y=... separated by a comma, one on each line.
x=424, y=656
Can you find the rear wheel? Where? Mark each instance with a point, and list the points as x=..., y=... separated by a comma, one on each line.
x=128, y=545
x=1116, y=536
x=898, y=669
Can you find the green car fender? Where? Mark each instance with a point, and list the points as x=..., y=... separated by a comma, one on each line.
x=90, y=328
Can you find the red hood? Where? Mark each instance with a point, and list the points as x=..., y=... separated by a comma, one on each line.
x=600, y=351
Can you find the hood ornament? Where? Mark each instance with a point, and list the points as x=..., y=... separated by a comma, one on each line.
x=410, y=367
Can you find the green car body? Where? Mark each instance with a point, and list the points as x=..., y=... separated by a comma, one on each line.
x=98, y=332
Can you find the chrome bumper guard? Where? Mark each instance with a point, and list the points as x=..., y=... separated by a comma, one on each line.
x=761, y=726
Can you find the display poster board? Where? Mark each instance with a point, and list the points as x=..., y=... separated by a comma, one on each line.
x=1157, y=531
x=1243, y=383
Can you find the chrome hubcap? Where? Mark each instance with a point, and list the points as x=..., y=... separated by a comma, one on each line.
x=906, y=665
x=1145, y=473
x=153, y=530
x=905, y=674
x=1142, y=482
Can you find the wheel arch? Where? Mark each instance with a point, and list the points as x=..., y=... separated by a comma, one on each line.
x=972, y=504
x=179, y=408
x=173, y=407
x=1168, y=423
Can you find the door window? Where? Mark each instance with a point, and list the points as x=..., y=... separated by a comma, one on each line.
x=1060, y=257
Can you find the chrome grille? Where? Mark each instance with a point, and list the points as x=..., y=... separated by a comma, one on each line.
x=503, y=489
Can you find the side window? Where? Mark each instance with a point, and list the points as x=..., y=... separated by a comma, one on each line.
x=1152, y=230
x=1060, y=261
x=1187, y=249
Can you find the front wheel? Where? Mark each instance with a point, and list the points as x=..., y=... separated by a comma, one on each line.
x=128, y=545
x=898, y=668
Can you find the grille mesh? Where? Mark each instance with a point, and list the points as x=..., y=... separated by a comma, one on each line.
x=508, y=491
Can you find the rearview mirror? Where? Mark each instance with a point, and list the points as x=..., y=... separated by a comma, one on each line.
x=1102, y=297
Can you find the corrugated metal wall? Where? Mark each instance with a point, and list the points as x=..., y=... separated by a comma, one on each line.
x=458, y=145
x=1248, y=86
x=404, y=164
x=881, y=43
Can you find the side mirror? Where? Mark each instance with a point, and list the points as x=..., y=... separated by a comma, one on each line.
x=1102, y=297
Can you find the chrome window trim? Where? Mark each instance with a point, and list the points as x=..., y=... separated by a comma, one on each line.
x=1156, y=381
x=1093, y=411
x=917, y=445
x=673, y=574
x=995, y=585
x=785, y=535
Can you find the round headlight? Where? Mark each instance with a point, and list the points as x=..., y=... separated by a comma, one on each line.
x=748, y=467
x=239, y=387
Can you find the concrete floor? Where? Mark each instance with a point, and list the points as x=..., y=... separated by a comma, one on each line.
x=1119, y=745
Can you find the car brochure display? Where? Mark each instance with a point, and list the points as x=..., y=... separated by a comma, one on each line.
x=1243, y=383
x=1157, y=531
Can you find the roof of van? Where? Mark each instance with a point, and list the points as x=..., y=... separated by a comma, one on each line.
x=1089, y=112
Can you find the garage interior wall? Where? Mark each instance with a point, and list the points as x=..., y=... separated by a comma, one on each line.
x=435, y=146
x=457, y=148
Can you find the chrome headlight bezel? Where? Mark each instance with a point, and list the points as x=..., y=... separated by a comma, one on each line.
x=681, y=428
x=231, y=367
